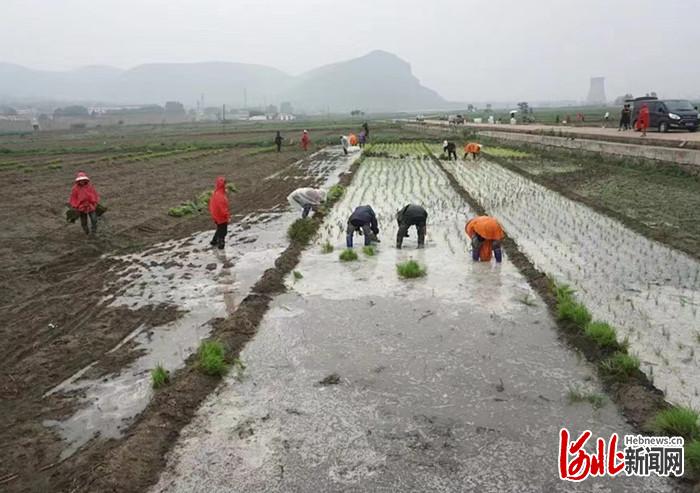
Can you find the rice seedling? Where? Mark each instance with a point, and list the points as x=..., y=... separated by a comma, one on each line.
x=620, y=365
x=302, y=231
x=159, y=376
x=527, y=300
x=212, y=358
x=692, y=457
x=239, y=367
x=576, y=394
x=410, y=269
x=327, y=247
x=369, y=250
x=335, y=193
x=602, y=333
x=677, y=421
x=297, y=275
x=568, y=309
x=348, y=255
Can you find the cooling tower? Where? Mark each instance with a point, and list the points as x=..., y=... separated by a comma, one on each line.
x=596, y=93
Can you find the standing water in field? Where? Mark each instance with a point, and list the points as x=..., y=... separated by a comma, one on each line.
x=202, y=284
x=651, y=292
x=358, y=380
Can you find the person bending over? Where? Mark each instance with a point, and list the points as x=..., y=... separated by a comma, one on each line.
x=363, y=220
x=411, y=215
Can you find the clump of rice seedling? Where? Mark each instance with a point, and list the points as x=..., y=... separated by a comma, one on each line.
x=297, y=275
x=212, y=358
x=55, y=166
x=602, y=333
x=240, y=367
x=620, y=365
x=692, y=457
x=327, y=247
x=369, y=250
x=527, y=300
x=159, y=376
x=301, y=231
x=348, y=255
x=335, y=193
x=578, y=395
x=410, y=269
x=569, y=309
x=677, y=421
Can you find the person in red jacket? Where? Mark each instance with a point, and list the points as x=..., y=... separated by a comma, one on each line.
x=643, y=119
x=218, y=207
x=305, y=140
x=84, y=200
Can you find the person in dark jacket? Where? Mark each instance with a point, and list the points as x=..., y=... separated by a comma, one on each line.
x=278, y=141
x=625, y=118
x=364, y=220
x=365, y=127
x=411, y=215
x=451, y=151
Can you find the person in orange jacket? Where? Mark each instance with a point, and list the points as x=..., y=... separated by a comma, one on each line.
x=305, y=140
x=643, y=119
x=218, y=208
x=486, y=234
x=472, y=148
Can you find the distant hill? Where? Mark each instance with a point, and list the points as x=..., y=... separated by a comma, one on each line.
x=378, y=81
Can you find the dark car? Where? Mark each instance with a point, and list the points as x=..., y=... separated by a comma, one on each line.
x=667, y=114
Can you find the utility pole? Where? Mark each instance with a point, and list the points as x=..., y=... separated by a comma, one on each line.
x=223, y=119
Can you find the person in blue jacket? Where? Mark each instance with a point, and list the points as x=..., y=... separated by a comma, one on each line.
x=363, y=220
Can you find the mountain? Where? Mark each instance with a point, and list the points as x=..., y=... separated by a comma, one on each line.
x=378, y=81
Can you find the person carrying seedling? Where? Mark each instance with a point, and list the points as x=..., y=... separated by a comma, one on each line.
x=411, y=215
x=305, y=140
x=486, y=234
x=84, y=199
x=345, y=143
x=364, y=221
x=218, y=207
x=307, y=198
x=473, y=149
x=278, y=141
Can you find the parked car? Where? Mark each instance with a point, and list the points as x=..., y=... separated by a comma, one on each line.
x=667, y=114
x=420, y=118
x=456, y=119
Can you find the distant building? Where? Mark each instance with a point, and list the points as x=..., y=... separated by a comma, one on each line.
x=286, y=117
x=596, y=93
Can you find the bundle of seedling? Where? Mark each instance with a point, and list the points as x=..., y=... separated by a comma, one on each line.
x=198, y=204
x=72, y=215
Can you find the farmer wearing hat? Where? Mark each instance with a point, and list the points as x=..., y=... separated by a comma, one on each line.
x=84, y=199
x=307, y=198
x=218, y=208
x=472, y=149
x=305, y=140
x=486, y=234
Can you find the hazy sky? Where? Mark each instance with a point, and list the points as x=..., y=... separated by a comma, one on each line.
x=467, y=50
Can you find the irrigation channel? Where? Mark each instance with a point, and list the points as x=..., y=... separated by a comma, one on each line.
x=202, y=283
x=360, y=381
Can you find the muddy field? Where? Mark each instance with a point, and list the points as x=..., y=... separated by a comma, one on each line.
x=354, y=379
x=69, y=302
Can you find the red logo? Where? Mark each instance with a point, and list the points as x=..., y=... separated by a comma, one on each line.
x=575, y=464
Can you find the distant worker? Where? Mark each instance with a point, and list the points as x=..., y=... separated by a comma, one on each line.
x=218, y=208
x=345, y=143
x=643, y=120
x=84, y=200
x=556, y=120
x=625, y=118
x=513, y=121
x=278, y=141
x=473, y=149
x=411, y=215
x=491, y=120
x=606, y=119
x=353, y=139
x=363, y=220
x=451, y=151
x=365, y=127
x=305, y=140
x=307, y=198
x=363, y=138
x=444, y=147
x=486, y=235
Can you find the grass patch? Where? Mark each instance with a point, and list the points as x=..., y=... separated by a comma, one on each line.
x=602, y=333
x=335, y=193
x=505, y=152
x=569, y=309
x=297, y=275
x=327, y=247
x=301, y=231
x=677, y=421
x=369, y=250
x=692, y=457
x=348, y=255
x=579, y=395
x=621, y=365
x=159, y=376
x=410, y=269
x=212, y=358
